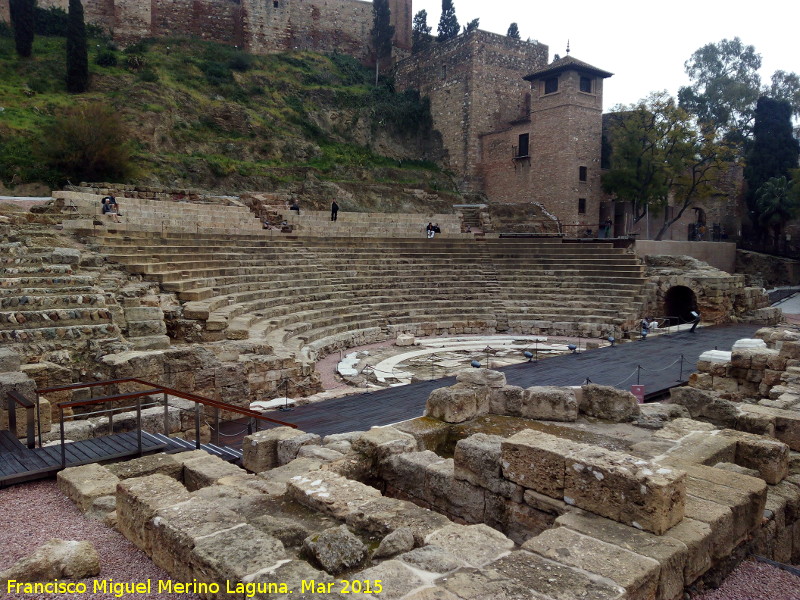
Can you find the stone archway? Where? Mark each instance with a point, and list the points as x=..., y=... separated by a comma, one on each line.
x=680, y=301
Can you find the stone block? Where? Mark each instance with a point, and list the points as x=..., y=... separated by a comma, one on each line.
x=260, y=449
x=624, y=488
x=10, y=361
x=697, y=538
x=165, y=464
x=235, y=555
x=85, y=483
x=205, y=471
x=787, y=423
x=279, y=477
x=549, y=403
x=396, y=578
x=65, y=256
x=670, y=553
x=320, y=453
x=384, y=515
x=477, y=545
x=380, y=443
x=179, y=527
x=431, y=434
x=408, y=472
x=452, y=496
x=506, y=400
x=769, y=457
x=335, y=549
x=482, y=377
x=706, y=406
x=707, y=448
x=138, y=500
x=477, y=460
x=606, y=402
x=289, y=447
x=536, y=461
x=455, y=404
x=637, y=574
x=719, y=518
x=330, y=493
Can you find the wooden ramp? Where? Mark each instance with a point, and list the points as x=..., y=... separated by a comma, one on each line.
x=18, y=463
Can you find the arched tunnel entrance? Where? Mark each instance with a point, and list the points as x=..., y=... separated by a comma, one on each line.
x=680, y=301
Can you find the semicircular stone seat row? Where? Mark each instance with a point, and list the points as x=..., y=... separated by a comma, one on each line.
x=313, y=295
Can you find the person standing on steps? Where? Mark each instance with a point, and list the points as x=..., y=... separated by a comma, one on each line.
x=334, y=210
x=645, y=327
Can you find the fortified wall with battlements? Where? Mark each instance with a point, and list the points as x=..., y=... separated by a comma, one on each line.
x=257, y=27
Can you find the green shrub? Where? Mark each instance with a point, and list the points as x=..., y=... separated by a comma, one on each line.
x=216, y=73
x=106, y=58
x=241, y=62
x=50, y=21
x=135, y=62
x=5, y=30
x=148, y=75
x=88, y=143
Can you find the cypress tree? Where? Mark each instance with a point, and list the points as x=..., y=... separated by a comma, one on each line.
x=420, y=32
x=513, y=31
x=774, y=150
x=23, y=22
x=448, y=23
x=77, y=53
x=382, y=32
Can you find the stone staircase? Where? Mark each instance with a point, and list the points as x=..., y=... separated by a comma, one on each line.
x=48, y=303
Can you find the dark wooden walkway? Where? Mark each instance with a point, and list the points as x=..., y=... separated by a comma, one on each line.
x=18, y=463
x=659, y=358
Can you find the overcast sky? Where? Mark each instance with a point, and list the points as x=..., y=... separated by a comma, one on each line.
x=644, y=43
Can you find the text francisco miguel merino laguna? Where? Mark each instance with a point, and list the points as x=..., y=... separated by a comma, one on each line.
x=168, y=586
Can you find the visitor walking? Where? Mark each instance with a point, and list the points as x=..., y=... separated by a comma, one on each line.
x=334, y=210
x=645, y=327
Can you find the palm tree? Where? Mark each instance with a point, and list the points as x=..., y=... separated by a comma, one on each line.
x=776, y=205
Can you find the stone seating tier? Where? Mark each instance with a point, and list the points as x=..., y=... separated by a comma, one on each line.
x=323, y=293
x=349, y=224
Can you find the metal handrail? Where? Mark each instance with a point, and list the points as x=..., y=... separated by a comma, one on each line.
x=153, y=389
x=14, y=397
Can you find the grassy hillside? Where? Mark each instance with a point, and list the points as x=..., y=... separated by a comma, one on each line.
x=208, y=116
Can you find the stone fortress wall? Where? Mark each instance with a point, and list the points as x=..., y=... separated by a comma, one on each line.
x=257, y=27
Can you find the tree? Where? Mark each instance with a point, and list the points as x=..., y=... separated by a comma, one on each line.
x=77, y=54
x=513, y=31
x=471, y=26
x=660, y=157
x=382, y=32
x=420, y=32
x=774, y=151
x=786, y=86
x=24, y=24
x=724, y=89
x=448, y=23
x=777, y=204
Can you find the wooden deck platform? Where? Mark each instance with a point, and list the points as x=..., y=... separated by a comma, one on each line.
x=658, y=356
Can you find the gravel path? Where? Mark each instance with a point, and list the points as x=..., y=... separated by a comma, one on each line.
x=756, y=581
x=32, y=513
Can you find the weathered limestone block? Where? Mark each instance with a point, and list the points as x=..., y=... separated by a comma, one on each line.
x=396, y=579
x=397, y=542
x=319, y=453
x=247, y=502
x=205, y=471
x=234, y=554
x=85, y=483
x=138, y=500
x=706, y=406
x=697, y=537
x=10, y=361
x=506, y=400
x=380, y=443
x=638, y=574
x=477, y=460
x=668, y=552
x=453, y=496
x=455, y=404
x=386, y=515
x=410, y=473
x=55, y=559
x=744, y=495
x=657, y=414
x=707, y=448
x=65, y=256
x=549, y=403
x=405, y=339
x=606, y=402
x=787, y=422
x=431, y=434
x=682, y=427
x=177, y=528
x=482, y=377
x=295, y=574
x=166, y=464
x=25, y=386
x=336, y=549
x=290, y=532
x=523, y=521
x=260, y=450
x=288, y=448
x=330, y=493
x=433, y=559
x=477, y=545
x=279, y=477
x=527, y=575
x=719, y=518
x=624, y=488
x=536, y=461
x=769, y=457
